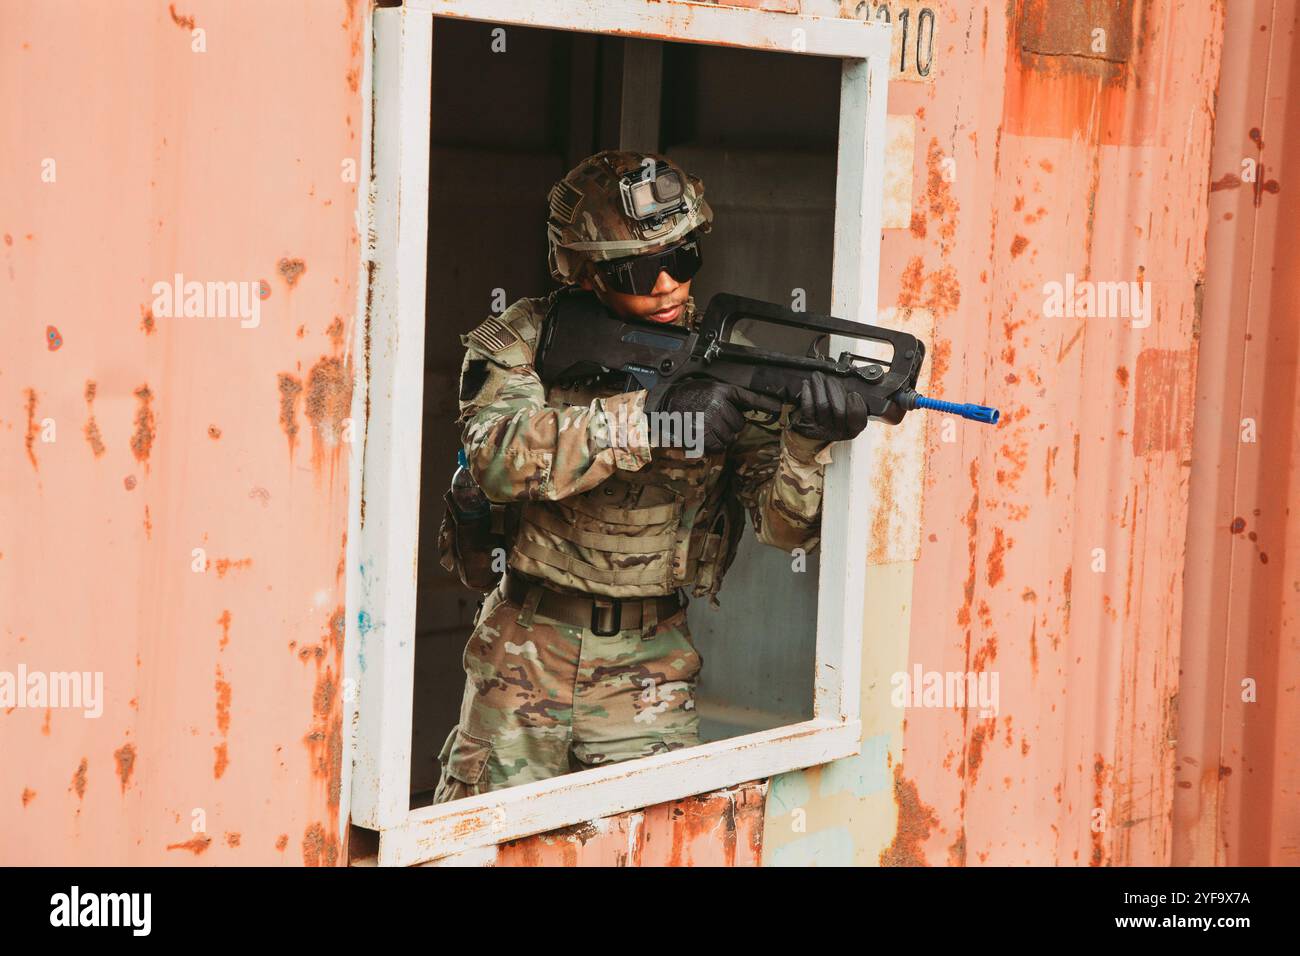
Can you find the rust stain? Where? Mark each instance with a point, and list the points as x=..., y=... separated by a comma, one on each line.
x=53, y=340
x=910, y=285
x=957, y=851
x=944, y=291
x=125, y=757
x=222, y=752
x=1033, y=647
x=129, y=482
x=281, y=842
x=975, y=750
x=226, y=565
x=146, y=320
x=1163, y=395
x=995, y=570
x=940, y=358
x=915, y=821
x=145, y=426
x=92, y=429
x=30, y=439
x=972, y=526
x=1263, y=185
x=938, y=194
x=1229, y=181
x=882, y=483
x=183, y=21
x=223, y=703
x=233, y=840
x=335, y=332
x=290, y=389
x=148, y=524
x=79, y=779
x=1099, y=796
x=324, y=741
x=328, y=403
x=195, y=846
x=1018, y=245
x=214, y=432
x=28, y=795
x=291, y=270
x=224, y=621
x=319, y=848
x=1064, y=80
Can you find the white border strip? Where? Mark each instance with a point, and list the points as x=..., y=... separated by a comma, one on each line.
x=472, y=822
x=681, y=22
x=382, y=618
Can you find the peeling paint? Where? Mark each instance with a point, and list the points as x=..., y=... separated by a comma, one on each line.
x=915, y=821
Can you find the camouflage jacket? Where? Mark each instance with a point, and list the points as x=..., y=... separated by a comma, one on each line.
x=602, y=512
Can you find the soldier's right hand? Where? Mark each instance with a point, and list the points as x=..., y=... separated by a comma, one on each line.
x=721, y=409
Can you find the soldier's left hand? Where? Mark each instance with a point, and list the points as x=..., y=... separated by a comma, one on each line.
x=828, y=411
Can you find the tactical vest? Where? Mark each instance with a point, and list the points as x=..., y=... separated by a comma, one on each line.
x=644, y=533
x=675, y=523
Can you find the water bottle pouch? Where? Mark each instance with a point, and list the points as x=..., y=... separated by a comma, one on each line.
x=474, y=547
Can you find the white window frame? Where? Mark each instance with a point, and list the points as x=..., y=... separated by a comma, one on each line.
x=382, y=551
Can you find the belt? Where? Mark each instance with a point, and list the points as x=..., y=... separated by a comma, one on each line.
x=604, y=616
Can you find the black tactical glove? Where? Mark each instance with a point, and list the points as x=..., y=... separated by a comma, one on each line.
x=722, y=409
x=828, y=411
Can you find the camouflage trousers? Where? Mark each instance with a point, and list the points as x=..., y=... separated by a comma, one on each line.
x=544, y=699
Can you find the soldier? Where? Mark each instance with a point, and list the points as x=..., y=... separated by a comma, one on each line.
x=582, y=656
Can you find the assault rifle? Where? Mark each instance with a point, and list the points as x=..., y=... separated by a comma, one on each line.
x=582, y=340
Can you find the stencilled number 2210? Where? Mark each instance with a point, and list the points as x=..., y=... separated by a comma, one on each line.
x=914, y=27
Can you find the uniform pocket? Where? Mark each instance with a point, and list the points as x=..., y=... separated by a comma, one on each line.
x=465, y=757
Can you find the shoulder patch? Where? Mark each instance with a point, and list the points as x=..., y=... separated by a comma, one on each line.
x=492, y=336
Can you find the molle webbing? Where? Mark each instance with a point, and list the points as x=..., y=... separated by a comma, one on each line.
x=581, y=569
x=648, y=545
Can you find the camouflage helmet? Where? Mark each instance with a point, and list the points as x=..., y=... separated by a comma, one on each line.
x=594, y=210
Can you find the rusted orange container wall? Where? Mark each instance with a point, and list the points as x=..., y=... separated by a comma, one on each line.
x=1059, y=144
x=174, y=490
x=1238, y=772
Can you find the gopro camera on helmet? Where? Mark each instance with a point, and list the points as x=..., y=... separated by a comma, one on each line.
x=652, y=192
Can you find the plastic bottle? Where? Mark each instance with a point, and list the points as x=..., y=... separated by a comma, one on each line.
x=465, y=492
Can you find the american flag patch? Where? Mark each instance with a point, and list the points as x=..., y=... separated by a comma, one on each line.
x=492, y=336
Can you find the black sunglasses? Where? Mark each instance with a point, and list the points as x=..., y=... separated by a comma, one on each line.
x=637, y=275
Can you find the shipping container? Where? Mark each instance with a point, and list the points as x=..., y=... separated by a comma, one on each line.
x=241, y=242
